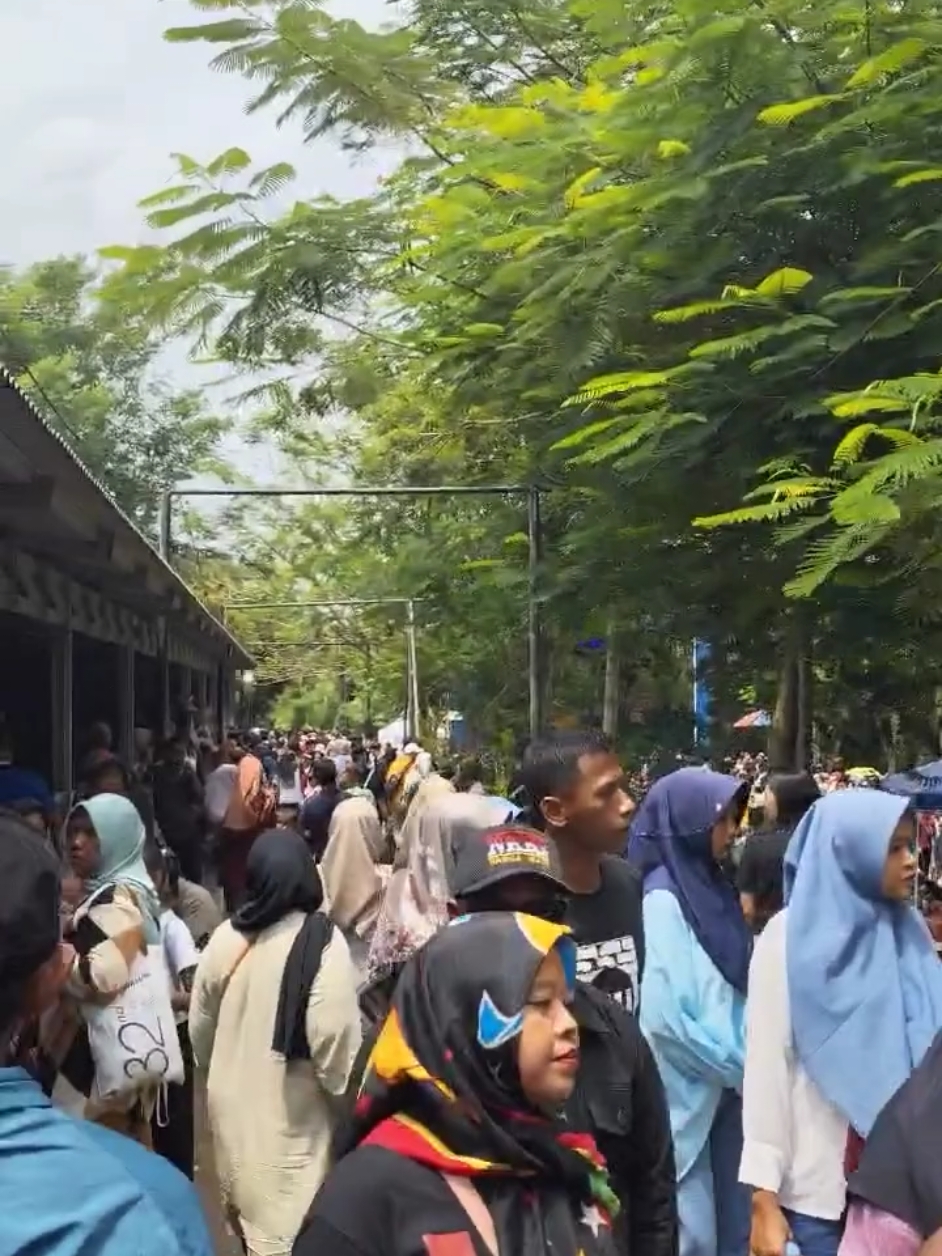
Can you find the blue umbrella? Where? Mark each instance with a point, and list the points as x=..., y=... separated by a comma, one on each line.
x=922, y=784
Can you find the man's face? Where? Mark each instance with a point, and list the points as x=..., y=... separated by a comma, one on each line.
x=533, y=895
x=595, y=807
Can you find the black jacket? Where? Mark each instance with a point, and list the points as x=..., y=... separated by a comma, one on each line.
x=619, y=1098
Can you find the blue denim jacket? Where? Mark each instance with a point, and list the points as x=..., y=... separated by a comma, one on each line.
x=72, y=1188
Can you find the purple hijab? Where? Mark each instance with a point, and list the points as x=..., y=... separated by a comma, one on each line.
x=669, y=844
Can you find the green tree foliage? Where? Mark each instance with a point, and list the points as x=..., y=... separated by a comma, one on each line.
x=676, y=262
x=92, y=373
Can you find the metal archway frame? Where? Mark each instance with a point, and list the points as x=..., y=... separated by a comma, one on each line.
x=532, y=493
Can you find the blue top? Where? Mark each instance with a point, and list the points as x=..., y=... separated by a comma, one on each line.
x=72, y=1188
x=695, y=1022
x=20, y=784
x=671, y=846
x=864, y=981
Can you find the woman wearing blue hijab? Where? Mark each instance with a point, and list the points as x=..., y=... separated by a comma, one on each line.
x=845, y=999
x=693, y=994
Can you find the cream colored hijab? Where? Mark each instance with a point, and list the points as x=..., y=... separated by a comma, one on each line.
x=433, y=788
x=353, y=886
x=416, y=903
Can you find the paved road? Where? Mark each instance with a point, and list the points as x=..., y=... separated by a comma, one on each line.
x=224, y=1240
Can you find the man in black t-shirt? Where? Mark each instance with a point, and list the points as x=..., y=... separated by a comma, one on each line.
x=576, y=789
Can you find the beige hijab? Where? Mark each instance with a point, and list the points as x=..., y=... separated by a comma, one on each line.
x=433, y=788
x=416, y=902
x=353, y=885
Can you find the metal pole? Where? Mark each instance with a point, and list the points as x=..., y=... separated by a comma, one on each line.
x=165, y=524
x=534, y=533
x=368, y=704
x=413, y=673
x=379, y=490
x=358, y=601
x=535, y=626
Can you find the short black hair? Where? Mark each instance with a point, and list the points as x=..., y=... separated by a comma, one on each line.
x=359, y=769
x=324, y=771
x=551, y=762
x=158, y=859
x=795, y=793
x=154, y=858
x=470, y=771
x=96, y=768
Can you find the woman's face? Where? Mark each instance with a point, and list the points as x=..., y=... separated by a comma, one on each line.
x=724, y=832
x=82, y=845
x=548, y=1048
x=899, y=871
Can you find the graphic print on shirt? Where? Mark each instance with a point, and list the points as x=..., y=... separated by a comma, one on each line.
x=612, y=967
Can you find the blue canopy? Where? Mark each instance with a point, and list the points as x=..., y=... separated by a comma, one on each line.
x=923, y=784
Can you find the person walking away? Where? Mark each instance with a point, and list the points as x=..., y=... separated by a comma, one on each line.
x=109, y=928
x=415, y=905
x=354, y=778
x=350, y=872
x=70, y=1187
x=845, y=999
x=274, y=1020
x=317, y=811
x=220, y=786
x=173, y=1119
x=693, y=994
x=251, y=809
x=179, y=807
x=575, y=785
x=788, y=797
x=288, y=779
x=193, y=903
x=458, y=1144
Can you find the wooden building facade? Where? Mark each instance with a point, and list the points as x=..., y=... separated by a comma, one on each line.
x=94, y=624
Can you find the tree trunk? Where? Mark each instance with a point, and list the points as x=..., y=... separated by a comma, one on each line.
x=789, y=736
x=611, y=691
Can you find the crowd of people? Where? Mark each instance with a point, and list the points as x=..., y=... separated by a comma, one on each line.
x=434, y=1021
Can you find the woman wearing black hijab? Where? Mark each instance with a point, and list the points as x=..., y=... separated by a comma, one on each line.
x=274, y=1018
x=458, y=1145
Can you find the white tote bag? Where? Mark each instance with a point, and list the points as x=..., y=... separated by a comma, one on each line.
x=133, y=1038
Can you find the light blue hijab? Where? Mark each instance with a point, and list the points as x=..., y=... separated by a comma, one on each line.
x=120, y=830
x=864, y=982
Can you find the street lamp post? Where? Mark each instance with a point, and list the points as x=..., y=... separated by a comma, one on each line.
x=532, y=493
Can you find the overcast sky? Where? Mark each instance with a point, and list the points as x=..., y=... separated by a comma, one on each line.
x=92, y=103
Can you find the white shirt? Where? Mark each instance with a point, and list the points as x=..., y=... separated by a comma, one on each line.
x=179, y=949
x=794, y=1140
x=220, y=786
x=272, y=1122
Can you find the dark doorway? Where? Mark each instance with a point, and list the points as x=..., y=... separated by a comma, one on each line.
x=95, y=693
x=147, y=712
x=26, y=691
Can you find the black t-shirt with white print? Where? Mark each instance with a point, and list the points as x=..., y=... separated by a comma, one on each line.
x=609, y=929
